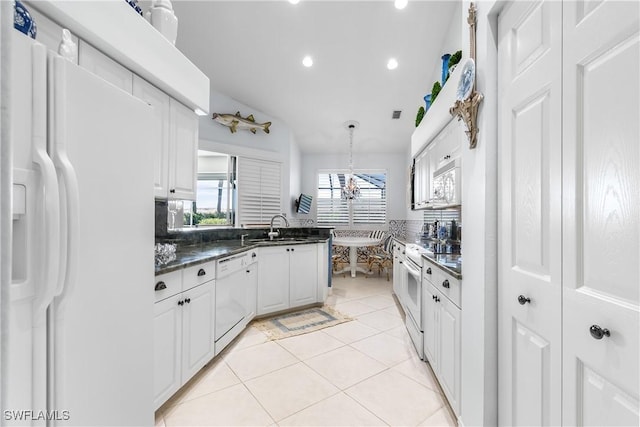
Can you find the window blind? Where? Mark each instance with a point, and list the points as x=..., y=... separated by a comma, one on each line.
x=369, y=208
x=259, y=191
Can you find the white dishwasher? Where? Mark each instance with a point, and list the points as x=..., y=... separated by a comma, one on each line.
x=233, y=291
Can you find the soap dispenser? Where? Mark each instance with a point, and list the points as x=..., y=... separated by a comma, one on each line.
x=163, y=19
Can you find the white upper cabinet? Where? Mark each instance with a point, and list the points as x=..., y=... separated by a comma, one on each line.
x=183, y=152
x=160, y=103
x=176, y=143
x=104, y=67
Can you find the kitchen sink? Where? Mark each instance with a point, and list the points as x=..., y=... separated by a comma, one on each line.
x=278, y=240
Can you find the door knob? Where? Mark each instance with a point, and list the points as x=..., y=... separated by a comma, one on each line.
x=180, y=302
x=429, y=270
x=523, y=300
x=597, y=332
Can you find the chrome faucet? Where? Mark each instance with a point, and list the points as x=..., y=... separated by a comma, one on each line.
x=242, y=239
x=272, y=233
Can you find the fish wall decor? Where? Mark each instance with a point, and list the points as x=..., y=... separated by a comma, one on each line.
x=235, y=122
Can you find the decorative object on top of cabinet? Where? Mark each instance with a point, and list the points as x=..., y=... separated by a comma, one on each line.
x=68, y=49
x=435, y=90
x=445, y=67
x=22, y=20
x=453, y=61
x=427, y=102
x=163, y=19
x=420, y=114
x=134, y=5
x=466, y=109
x=235, y=122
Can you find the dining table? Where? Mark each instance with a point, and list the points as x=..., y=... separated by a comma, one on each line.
x=353, y=243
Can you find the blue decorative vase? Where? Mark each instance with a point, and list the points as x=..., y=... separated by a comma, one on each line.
x=22, y=20
x=427, y=101
x=445, y=67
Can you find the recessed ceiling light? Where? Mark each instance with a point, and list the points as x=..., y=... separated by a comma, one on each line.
x=296, y=1
x=392, y=64
x=400, y=4
x=307, y=61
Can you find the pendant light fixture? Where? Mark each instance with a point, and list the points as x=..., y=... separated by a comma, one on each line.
x=351, y=191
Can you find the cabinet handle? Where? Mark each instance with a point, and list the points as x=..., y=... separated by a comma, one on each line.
x=188, y=300
x=248, y=271
x=201, y=272
x=523, y=300
x=253, y=255
x=445, y=284
x=287, y=249
x=292, y=249
x=429, y=270
x=161, y=286
x=597, y=332
x=433, y=297
x=172, y=191
x=437, y=299
x=181, y=302
x=447, y=157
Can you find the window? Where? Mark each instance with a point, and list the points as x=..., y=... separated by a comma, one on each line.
x=259, y=191
x=215, y=192
x=369, y=208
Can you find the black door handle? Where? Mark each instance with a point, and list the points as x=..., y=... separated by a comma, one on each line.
x=429, y=270
x=201, y=272
x=188, y=300
x=523, y=300
x=445, y=284
x=597, y=332
x=180, y=302
x=161, y=286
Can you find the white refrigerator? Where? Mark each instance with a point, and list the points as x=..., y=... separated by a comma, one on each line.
x=79, y=341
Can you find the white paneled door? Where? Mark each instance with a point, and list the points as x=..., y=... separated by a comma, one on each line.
x=529, y=214
x=601, y=212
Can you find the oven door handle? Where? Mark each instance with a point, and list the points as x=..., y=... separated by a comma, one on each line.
x=412, y=271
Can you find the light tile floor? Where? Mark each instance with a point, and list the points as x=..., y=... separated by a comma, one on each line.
x=359, y=373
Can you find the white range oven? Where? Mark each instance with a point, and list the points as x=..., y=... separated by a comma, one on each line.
x=412, y=295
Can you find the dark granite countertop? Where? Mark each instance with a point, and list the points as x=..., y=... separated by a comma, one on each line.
x=449, y=263
x=188, y=255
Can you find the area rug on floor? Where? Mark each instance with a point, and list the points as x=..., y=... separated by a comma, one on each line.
x=300, y=322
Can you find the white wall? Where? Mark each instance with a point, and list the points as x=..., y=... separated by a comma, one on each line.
x=279, y=145
x=479, y=219
x=395, y=165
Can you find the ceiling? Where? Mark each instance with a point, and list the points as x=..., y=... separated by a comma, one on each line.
x=252, y=52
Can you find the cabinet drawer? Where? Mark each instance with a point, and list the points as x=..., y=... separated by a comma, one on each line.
x=167, y=285
x=427, y=271
x=198, y=274
x=446, y=284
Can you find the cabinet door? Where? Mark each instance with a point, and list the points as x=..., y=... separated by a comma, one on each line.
x=324, y=270
x=449, y=351
x=197, y=328
x=303, y=279
x=183, y=162
x=250, y=280
x=104, y=67
x=430, y=306
x=273, y=270
x=600, y=207
x=160, y=103
x=529, y=251
x=167, y=344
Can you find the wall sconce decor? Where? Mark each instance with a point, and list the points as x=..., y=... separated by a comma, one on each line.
x=468, y=99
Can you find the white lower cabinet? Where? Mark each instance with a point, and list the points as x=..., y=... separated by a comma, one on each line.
x=442, y=339
x=288, y=277
x=182, y=335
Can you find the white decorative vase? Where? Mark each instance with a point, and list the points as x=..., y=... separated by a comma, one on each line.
x=161, y=16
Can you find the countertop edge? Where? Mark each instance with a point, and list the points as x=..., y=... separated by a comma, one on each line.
x=159, y=270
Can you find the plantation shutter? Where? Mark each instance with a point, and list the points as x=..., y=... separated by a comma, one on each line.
x=259, y=191
x=331, y=208
x=371, y=206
